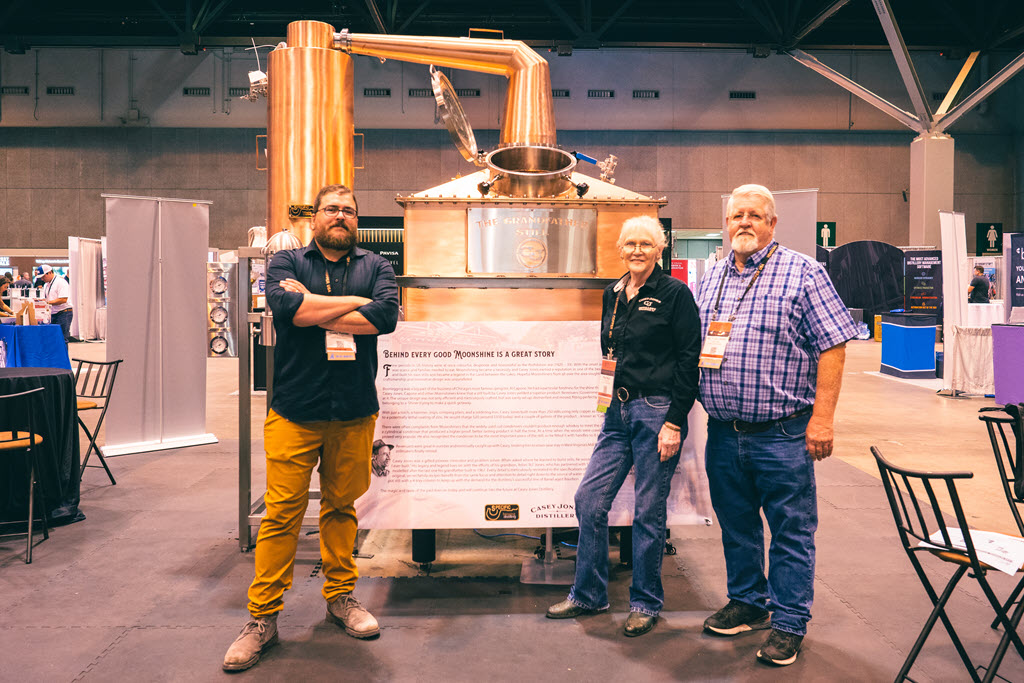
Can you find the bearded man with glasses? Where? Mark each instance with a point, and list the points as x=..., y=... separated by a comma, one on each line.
x=330, y=301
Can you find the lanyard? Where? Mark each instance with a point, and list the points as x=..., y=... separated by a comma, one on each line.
x=344, y=278
x=739, y=299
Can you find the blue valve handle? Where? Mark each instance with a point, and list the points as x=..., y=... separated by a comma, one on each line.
x=583, y=157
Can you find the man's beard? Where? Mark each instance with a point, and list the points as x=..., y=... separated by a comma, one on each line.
x=328, y=240
x=744, y=243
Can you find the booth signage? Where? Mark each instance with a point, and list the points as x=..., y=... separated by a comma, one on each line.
x=923, y=278
x=826, y=233
x=540, y=240
x=1017, y=270
x=989, y=241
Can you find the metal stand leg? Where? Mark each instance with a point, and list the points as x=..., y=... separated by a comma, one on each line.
x=424, y=547
x=552, y=570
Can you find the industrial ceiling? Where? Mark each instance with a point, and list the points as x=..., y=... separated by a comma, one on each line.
x=954, y=27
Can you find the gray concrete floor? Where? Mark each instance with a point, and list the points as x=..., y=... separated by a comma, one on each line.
x=151, y=586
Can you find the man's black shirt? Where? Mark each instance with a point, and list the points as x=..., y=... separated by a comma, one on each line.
x=656, y=340
x=307, y=386
x=979, y=295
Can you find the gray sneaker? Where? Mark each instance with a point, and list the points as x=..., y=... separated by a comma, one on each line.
x=346, y=612
x=258, y=635
x=737, y=617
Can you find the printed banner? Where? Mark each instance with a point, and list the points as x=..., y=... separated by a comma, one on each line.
x=492, y=425
x=1016, y=296
x=923, y=283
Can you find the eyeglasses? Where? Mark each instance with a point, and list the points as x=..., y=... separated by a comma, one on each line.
x=332, y=211
x=632, y=246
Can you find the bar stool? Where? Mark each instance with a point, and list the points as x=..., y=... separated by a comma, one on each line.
x=94, y=384
x=26, y=441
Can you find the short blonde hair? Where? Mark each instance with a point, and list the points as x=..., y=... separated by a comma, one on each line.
x=759, y=191
x=648, y=224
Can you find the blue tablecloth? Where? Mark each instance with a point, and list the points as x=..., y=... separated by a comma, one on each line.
x=35, y=346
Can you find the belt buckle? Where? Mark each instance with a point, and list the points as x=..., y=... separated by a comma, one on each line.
x=622, y=393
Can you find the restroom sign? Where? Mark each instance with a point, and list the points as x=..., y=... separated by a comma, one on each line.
x=989, y=239
x=826, y=234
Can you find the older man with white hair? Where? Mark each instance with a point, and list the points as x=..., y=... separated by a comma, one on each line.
x=775, y=332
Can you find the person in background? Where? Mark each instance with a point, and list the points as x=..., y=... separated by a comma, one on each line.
x=331, y=300
x=650, y=335
x=977, y=292
x=771, y=369
x=5, y=285
x=24, y=281
x=56, y=291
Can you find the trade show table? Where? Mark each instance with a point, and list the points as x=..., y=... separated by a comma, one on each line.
x=35, y=346
x=56, y=419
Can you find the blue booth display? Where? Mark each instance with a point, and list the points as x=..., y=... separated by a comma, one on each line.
x=908, y=345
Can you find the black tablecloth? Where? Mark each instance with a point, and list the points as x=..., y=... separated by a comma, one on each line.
x=55, y=411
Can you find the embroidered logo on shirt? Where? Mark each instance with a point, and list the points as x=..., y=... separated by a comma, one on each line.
x=649, y=304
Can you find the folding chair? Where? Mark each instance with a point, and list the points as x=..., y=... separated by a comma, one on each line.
x=26, y=441
x=94, y=384
x=1010, y=460
x=915, y=508
x=1009, y=453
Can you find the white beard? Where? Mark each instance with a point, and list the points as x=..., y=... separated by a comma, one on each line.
x=744, y=244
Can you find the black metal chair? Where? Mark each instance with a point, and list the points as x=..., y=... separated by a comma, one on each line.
x=1009, y=459
x=915, y=508
x=94, y=385
x=1009, y=452
x=26, y=440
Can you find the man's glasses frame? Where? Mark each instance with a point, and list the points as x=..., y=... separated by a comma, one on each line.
x=332, y=211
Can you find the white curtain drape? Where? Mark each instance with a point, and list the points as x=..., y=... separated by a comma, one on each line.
x=972, y=369
x=86, y=263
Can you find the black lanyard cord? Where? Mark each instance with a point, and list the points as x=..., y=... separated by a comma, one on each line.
x=750, y=285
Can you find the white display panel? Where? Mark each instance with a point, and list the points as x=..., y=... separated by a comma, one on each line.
x=492, y=425
x=156, y=322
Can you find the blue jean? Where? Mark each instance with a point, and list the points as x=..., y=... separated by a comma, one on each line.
x=769, y=470
x=63, y=318
x=628, y=439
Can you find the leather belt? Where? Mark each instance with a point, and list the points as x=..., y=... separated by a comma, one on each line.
x=756, y=427
x=625, y=394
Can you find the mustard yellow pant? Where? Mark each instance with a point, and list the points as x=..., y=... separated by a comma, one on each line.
x=343, y=449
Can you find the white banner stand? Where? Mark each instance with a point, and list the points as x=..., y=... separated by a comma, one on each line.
x=954, y=284
x=156, y=322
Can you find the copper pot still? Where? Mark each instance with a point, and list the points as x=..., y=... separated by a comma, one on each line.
x=529, y=171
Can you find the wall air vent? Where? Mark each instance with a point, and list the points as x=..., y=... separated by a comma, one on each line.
x=560, y=93
x=421, y=92
x=195, y=92
x=467, y=92
x=14, y=90
x=60, y=90
x=600, y=94
x=376, y=92
x=238, y=92
x=646, y=94
x=742, y=95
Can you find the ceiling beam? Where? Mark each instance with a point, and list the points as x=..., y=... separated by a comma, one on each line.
x=415, y=13
x=623, y=6
x=817, y=21
x=903, y=63
x=904, y=117
x=569, y=22
x=166, y=16
x=954, y=89
x=990, y=86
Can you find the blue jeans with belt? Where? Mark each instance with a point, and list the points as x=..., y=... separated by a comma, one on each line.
x=628, y=439
x=769, y=470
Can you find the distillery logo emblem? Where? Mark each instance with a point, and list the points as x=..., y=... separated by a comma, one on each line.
x=501, y=512
x=296, y=211
x=531, y=253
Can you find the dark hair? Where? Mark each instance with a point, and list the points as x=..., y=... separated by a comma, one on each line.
x=329, y=189
x=980, y=269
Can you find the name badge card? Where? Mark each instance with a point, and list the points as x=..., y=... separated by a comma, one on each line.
x=340, y=346
x=606, y=385
x=713, y=353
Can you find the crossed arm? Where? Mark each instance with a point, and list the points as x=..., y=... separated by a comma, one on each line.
x=337, y=313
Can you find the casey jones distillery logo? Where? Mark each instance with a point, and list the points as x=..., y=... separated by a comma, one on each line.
x=531, y=253
x=501, y=512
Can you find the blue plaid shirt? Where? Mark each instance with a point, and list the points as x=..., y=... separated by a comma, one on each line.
x=785, y=321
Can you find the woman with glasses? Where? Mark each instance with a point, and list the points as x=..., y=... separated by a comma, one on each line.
x=650, y=337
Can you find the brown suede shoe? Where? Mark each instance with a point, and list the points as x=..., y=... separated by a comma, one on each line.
x=258, y=635
x=353, y=617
